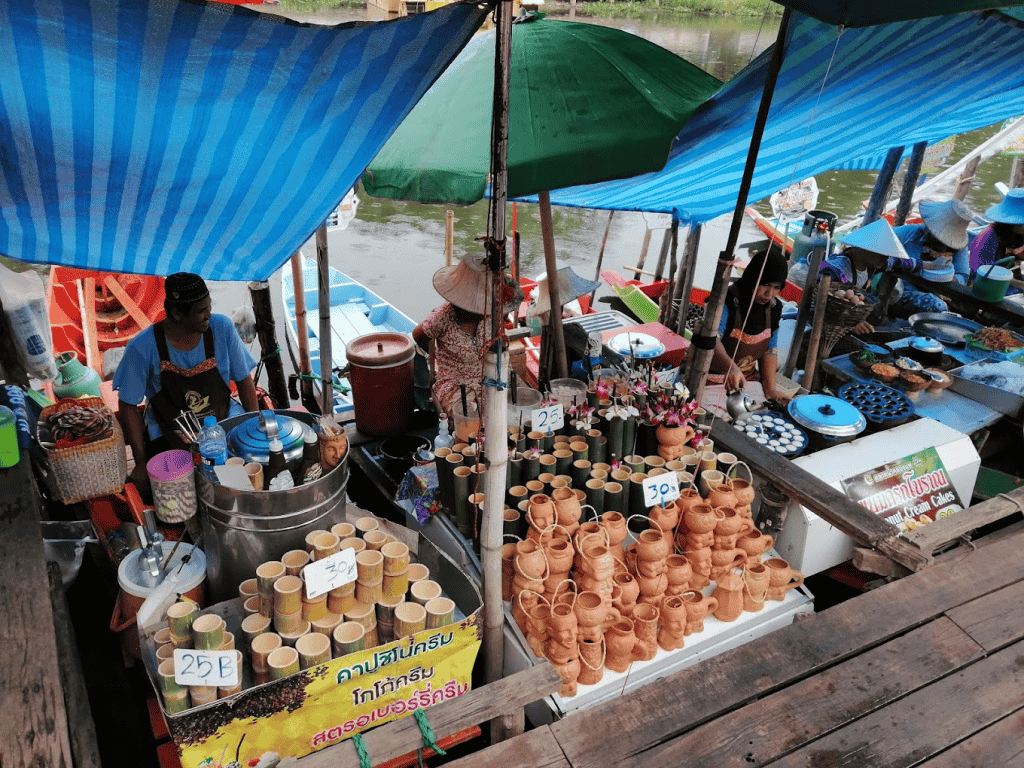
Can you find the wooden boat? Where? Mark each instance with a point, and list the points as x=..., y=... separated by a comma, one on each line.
x=92, y=312
x=355, y=311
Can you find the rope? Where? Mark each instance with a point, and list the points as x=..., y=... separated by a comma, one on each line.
x=316, y=377
x=428, y=736
x=364, y=756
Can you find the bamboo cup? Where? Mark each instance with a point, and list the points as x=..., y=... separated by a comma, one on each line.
x=202, y=694
x=261, y=647
x=635, y=493
x=563, y=460
x=635, y=462
x=410, y=618
x=252, y=626
x=595, y=494
x=162, y=636
x=326, y=624
x=182, y=642
x=580, y=450
x=369, y=566
x=533, y=487
x=289, y=638
x=396, y=558
x=424, y=591
x=224, y=692
x=510, y=522
x=266, y=574
x=440, y=612
x=311, y=537
x=167, y=682
x=294, y=561
x=283, y=662
x=546, y=478
x=369, y=593
x=348, y=637
x=353, y=543
x=180, y=617
x=287, y=623
x=417, y=572
x=341, y=604
x=444, y=479
x=315, y=608
x=207, y=632
x=176, y=703
x=247, y=589
x=614, y=497
x=515, y=494
x=385, y=609
x=288, y=594
x=580, y=472
x=343, y=530
x=599, y=466
x=460, y=498
x=228, y=643
x=366, y=524
x=395, y=586
x=266, y=605
x=252, y=606
x=367, y=616
x=165, y=651
x=597, y=445
x=313, y=649
x=515, y=470
x=375, y=539
x=325, y=545
x=254, y=471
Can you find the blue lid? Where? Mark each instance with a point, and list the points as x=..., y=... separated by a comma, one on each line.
x=252, y=442
x=642, y=346
x=827, y=415
x=210, y=421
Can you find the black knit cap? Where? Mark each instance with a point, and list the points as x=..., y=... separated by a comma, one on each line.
x=184, y=289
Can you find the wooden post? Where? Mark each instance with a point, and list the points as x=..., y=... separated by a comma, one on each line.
x=551, y=267
x=600, y=253
x=449, y=237
x=643, y=254
x=1017, y=174
x=324, y=291
x=963, y=184
x=817, y=325
x=266, y=330
x=909, y=183
x=666, y=243
x=687, y=268
x=302, y=332
x=666, y=306
x=881, y=191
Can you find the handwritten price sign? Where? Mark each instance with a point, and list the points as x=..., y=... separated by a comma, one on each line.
x=330, y=573
x=661, y=489
x=213, y=668
x=547, y=419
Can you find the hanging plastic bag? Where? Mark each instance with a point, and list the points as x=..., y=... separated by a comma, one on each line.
x=24, y=300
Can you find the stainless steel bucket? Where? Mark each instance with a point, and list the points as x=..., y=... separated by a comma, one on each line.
x=242, y=529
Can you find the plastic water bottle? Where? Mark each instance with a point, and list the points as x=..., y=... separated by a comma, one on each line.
x=213, y=442
x=444, y=437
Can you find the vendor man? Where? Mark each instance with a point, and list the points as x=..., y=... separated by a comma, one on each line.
x=184, y=363
x=869, y=251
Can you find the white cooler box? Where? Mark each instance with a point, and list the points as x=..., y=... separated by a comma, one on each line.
x=812, y=545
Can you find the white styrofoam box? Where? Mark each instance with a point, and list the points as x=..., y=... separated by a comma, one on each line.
x=812, y=545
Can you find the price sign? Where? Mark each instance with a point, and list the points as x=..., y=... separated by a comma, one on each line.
x=547, y=419
x=661, y=489
x=213, y=668
x=330, y=573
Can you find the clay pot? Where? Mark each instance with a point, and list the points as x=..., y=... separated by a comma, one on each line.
x=591, y=612
x=591, y=661
x=698, y=541
x=701, y=518
x=559, y=554
x=782, y=578
x=540, y=511
x=629, y=591
x=598, y=561
x=756, y=581
x=620, y=641
x=688, y=497
x=679, y=573
x=530, y=561
x=665, y=519
x=698, y=606
x=722, y=495
x=673, y=437
x=645, y=626
x=569, y=671
x=652, y=587
x=649, y=568
x=732, y=522
x=651, y=545
x=755, y=544
x=615, y=525
x=726, y=542
x=537, y=620
x=522, y=602
x=567, y=508
x=508, y=570
x=562, y=633
x=700, y=563
x=745, y=495
x=724, y=559
x=673, y=623
x=729, y=593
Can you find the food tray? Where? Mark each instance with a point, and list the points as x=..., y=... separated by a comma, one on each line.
x=882, y=406
x=976, y=350
x=999, y=398
x=775, y=432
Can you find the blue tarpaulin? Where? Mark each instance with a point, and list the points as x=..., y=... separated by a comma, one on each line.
x=843, y=98
x=150, y=136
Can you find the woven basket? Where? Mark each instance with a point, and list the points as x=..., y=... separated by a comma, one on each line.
x=86, y=471
x=840, y=318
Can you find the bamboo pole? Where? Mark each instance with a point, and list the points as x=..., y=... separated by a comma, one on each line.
x=554, y=290
x=909, y=183
x=666, y=243
x=266, y=329
x=302, y=332
x=880, y=193
x=963, y=184
x=643, y=254
x=600, y=253
x=1017, y=174
x=449, y=237
x=688, y=267
x=665, y=308
x=324, y=337
x=817, y=325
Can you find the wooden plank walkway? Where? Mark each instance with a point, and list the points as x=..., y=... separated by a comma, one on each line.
x=924, y=671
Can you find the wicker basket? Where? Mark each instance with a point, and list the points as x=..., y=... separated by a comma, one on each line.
x=840, y=318
x=86, y=471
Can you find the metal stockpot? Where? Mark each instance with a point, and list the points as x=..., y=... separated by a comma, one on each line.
x=243, y=528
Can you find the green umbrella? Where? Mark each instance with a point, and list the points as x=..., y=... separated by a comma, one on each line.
x=588, y=103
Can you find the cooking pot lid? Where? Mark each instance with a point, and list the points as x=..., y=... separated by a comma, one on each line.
x=827, y=415
x=926, y=344
x=251, y=439
x=642, y=346
x=378, y=350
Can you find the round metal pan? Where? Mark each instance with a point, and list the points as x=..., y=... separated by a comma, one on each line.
x=944, y=327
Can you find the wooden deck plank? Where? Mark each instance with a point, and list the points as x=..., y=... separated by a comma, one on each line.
x=536, y=749
x=994, y=620
x=1001, y=744
x=950, y=528
x=34, y=727
x=756, y=734
x=670, y=706
x=924, y=723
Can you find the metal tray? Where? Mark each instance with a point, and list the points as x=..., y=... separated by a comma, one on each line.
x=1009, y=403
x=944, y=327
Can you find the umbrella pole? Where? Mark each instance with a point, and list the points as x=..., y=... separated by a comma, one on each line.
x=554, y=290
x=495, y=376
x=705, y=342
x=302, y=332
x=324, y=294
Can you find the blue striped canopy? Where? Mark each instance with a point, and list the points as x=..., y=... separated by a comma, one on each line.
x=842, y=100
x=155, y=136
